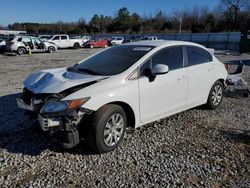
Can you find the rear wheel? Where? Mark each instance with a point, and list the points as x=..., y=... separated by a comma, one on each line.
x=105, y=46
x=108, y=128
x=215, y=95
x=51, y=49
x=21, y=51
x=76, y=45
x=91, y=46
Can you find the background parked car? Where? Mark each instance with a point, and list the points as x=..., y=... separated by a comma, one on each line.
x=131, y=39
x=149, y=38
x=22, y=44
x=2, y=43
x=115, y=41
x=63, y=41
x=83, y=38
x=98, y=43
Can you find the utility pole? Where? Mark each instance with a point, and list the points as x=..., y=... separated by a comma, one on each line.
x=97, y=28
x=180, y=20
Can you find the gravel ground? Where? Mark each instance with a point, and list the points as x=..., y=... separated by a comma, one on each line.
x=196, y=148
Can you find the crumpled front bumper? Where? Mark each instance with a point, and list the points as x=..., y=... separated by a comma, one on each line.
x=61, y=128
x=21, y=104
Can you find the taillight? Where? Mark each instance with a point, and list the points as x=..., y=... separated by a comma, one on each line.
x=226, y=66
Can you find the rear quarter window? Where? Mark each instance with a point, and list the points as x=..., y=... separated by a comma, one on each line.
x=197, y=56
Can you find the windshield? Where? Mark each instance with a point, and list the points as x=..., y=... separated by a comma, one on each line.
x=113, y=60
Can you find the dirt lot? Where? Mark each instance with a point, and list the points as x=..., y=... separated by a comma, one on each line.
x=196, y=148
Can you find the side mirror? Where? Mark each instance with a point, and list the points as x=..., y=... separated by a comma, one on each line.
x=160, y=69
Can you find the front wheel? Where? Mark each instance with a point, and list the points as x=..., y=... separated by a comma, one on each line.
x=215, y=95
x=51, y=49
x=108, y=128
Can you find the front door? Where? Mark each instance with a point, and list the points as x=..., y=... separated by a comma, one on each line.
x=38, y=45
x=165, y=94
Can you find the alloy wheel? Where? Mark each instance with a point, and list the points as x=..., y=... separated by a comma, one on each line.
x=217, y=95
x=113, y=129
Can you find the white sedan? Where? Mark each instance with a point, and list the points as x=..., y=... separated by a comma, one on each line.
x=126, y=85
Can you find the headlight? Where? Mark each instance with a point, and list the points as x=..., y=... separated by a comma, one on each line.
x=60, y=106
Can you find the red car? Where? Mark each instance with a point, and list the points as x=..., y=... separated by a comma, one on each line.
x=100, y=43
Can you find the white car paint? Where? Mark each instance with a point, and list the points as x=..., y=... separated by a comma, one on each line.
x=148, y=79
x=170, y=93
x=150, y=105
x=116, y=40
x=63, y=41
x=19, y=41
x=57, y=80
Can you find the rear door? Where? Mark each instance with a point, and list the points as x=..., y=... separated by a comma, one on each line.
x=165, y=94
x=64, y=41
x=27, y=42
x=201, y=72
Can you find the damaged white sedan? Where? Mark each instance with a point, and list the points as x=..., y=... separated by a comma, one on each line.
x=127, y=85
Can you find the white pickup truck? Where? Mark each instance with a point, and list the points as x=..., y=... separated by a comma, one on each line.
x=63, y=41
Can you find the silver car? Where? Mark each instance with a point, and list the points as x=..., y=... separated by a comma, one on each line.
x=22, y=44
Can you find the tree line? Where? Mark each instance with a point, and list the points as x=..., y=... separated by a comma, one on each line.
x=229, y=15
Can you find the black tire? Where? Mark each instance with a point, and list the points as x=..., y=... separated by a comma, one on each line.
x=96, y=139
x=215, y=97
x=21, y=51
x=76, y=45
x=51, y=49
x=112, y=44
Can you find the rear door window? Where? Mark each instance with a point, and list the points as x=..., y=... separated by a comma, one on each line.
x=197, y=56
x=56, y=38
x=63, y=37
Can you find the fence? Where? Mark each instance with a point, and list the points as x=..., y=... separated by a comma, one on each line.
x=219, y=41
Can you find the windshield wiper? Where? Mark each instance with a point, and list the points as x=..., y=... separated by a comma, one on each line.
x=88, y=71
x=77, y=69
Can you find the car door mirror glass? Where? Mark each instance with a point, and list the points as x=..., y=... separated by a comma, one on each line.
x=160, y=69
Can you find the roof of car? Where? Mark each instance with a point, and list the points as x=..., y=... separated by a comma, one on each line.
x=163, y=43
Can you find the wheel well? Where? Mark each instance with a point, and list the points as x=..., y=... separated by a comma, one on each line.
x=222, y=81
x=22, y=47
x=129, y=113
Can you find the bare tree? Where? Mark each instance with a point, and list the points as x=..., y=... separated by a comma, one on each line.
x=232, y=8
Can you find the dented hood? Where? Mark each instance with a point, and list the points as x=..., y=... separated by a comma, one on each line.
x=57, y=80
